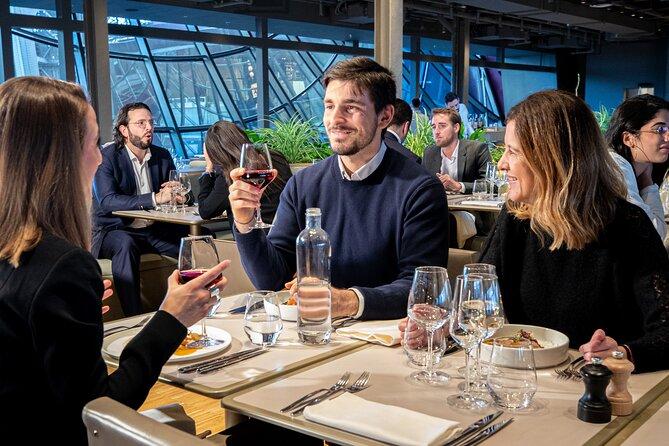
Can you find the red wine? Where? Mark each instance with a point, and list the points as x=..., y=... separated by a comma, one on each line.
x=187, y=275
x=259, y=178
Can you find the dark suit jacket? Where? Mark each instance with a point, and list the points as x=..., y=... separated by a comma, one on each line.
x=115, y=189
x=392, y=142
x=51, y=336
x=472, y=159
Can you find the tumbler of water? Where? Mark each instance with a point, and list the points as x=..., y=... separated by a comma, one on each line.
x=262, y=320
x=513, y=380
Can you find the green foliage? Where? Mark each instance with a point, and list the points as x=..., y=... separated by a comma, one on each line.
x=496, y=152
x=299, y=141
x=420, y=139
x=478, y=135
x=603, y=116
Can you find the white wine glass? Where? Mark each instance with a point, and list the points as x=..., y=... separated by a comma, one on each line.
x=185, y=188
x=429, y=306
x=257, y=163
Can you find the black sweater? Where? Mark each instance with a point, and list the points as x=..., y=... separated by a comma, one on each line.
x=50, y=342
x=213, y=197
x=619, y=283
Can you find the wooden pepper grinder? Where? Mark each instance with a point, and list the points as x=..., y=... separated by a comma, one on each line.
x=593, y=407
x=617, y=393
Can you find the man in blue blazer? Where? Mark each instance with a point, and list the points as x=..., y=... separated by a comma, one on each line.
x=133, y=175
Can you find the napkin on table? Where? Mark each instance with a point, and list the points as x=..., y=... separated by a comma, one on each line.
x=391, y=424
x=379, y=332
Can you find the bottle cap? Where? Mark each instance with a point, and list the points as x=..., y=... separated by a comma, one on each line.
x=313, y=212
x=618, y=354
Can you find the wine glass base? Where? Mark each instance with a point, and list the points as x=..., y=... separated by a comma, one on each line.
x=433, y=379
x=261, y=225
x=467, y=402
x=480, y=388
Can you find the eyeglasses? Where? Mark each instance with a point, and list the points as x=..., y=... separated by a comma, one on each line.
x=142, y=123
x=661, y=130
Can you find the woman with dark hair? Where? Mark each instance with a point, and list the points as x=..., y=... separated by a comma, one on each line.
x=51, y=286
x=638, y=137
x=222, y=151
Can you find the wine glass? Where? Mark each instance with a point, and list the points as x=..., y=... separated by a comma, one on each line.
x=480, y=189
x=174, y=190
x=184, y=180
x=262, y=319
x=257, y=162
x=429, y=306
x=502, y=184
x=467, y=328
x=490, y=173
x=196, y=256
x=513, y=387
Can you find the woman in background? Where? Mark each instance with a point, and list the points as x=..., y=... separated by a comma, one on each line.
x=638, y=137
x=51, y=286
x=222, y=151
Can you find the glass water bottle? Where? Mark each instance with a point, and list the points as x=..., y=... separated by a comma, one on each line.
x=314, y=299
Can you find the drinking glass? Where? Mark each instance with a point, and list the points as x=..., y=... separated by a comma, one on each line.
x=513, y=387
x=467, y=328
x=196, y=256
x=415, y=344
x=262, y=320
x=502, y=184
x=257, y=162
x=480, y=189
x=478, y=268
x=174, y=191
x=184, y=180
x=429, y=306
x=490, y=173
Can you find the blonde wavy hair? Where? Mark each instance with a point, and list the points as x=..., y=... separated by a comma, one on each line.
x=576, y=181
x=42, y=129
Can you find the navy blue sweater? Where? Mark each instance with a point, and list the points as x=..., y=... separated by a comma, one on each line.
x=380, y=229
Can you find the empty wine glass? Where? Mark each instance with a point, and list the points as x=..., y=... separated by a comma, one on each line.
x=467, y=328
x=415, y=344
x=262, y=319
x=480, y=189
x=429, y=306
x=184, y=181
x=502, y=184
x=513, y=387
x=490, y=173
x=174, y=191
x=257, y=162
x=196, y=256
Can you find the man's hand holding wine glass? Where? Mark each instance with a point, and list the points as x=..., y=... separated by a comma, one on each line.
x=244, y=199
x=191, y=302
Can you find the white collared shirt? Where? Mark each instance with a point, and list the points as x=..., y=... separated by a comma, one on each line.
x=367, y=169
x=449, y=166
x=363, y=172
x=395, y=135
x=143, y=180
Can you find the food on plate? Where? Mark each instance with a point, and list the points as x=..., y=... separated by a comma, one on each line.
x=516, y=340
x=292, y=300
x=183, y=350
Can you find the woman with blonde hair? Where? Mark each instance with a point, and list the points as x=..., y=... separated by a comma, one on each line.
x=51, y=286
x=570, y=252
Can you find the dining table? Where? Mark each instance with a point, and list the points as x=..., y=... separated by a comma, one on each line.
x=188, y=216
x=467, y=202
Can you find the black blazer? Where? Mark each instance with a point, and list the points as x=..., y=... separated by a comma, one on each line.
x=213, y=198
x=115, y=188
x=472, y=159
x=50, y=342
x=394, y=143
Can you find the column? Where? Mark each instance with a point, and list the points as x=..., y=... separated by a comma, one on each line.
x=388, y=35
x=97, y=64
x=460, y=71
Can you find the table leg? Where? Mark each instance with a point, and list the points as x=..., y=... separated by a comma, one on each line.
x=195, y=229
x=233, y=418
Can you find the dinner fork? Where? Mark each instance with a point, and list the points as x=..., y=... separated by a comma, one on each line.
x=570, y=372
x=360, y=384
x=336, y=386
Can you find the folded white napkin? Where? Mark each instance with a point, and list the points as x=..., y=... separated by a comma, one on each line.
x=391, y=424
x=379, y=332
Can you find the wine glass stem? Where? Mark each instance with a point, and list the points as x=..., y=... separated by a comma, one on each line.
x=477, y=358
x=258, y=217
x=467, y=371
x=204, y=327
x=428, y=358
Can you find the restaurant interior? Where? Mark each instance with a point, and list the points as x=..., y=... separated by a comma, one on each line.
x=257, y=368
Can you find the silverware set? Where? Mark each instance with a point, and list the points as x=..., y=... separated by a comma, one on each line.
x=320, y=395
x=213, y=365
x=572, y=371
x=476, y=432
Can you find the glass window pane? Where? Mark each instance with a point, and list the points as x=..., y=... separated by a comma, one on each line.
x=123, y=44
x=519, y=84
x=436, y=47
x=130, y=82
x=47, y=8
x=238, y=74
x=160, y=47
x=227, y=32
x=529, y=57
x=36, y=52
x=193, y=142
x=164, y=139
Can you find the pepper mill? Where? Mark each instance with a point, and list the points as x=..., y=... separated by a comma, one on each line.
x=617, y=393
x=593, y=407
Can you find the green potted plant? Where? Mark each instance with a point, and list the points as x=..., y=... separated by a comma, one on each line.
x=420, y=139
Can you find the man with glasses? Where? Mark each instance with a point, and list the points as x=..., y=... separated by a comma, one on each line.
x=133, y=175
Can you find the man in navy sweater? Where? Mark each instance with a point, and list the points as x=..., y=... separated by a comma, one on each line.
x=384, y=213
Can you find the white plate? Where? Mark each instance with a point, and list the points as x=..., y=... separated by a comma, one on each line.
x=288, y=312
x=114, y=344
x=555, y=343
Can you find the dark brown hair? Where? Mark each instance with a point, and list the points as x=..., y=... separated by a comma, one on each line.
x=577, y=183
x=451, y=114
x=367, y=75
x=223, y=143
x=402, y=114
x=42, y=130
x=122, y=119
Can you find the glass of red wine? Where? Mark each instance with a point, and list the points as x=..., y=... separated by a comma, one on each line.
x=196, y=256
x=257, y=163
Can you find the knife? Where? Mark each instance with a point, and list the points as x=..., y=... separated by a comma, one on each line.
x=194, y=367
x=486, y=433
x=480, y=424
x=212, y=368
x=237, y=310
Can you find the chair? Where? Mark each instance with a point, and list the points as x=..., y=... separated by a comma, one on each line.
x=457, y=259
x=109, y=422
x=238, y=281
